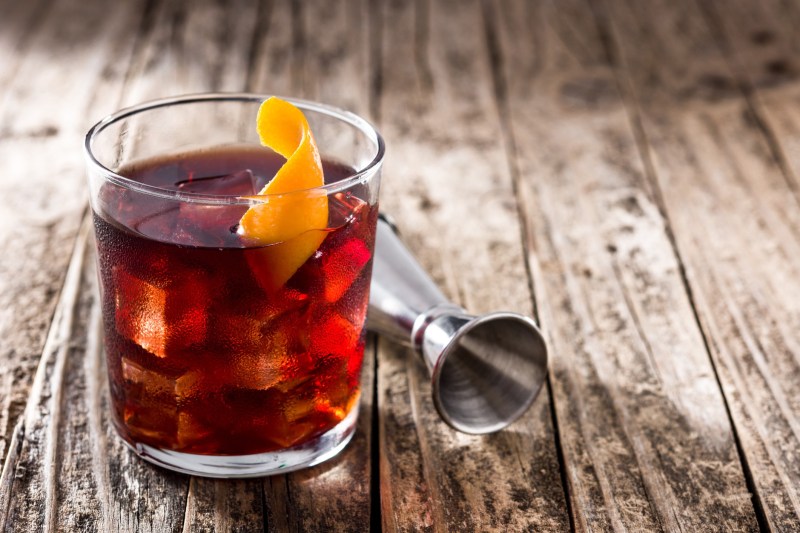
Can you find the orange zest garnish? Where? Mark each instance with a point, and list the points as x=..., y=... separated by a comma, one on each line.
x=292, y=215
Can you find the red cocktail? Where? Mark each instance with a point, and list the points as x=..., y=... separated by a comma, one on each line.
x=210, y=353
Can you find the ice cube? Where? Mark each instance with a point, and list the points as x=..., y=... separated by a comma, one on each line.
x=261, y=332
x=241, y=183
x=354, y=303
x=193, y=434
x=337, y=340
x=255, y=416
x=162, y=319
x=256, y=371
x=154, y=423
x=207, y=225
x=159, y=223
x=289, y=331
x=281, y=304
x=336, y=398
x=345, y=207
x=334, y=334
x=235, y=333
x=297, y=370
x=252, y=371
x=297, y=407
x=203, y=224
x=150, y=382
x=342, y=265
x=150, y=407
x=292, y=434
x=304, y=412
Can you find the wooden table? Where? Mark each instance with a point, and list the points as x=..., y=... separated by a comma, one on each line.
x=626, y=172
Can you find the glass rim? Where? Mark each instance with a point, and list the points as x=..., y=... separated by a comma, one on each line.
x=331, y=111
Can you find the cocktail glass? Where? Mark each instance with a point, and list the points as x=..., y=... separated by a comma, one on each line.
x=226, y=358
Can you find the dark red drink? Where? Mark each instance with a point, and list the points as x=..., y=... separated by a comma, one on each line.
x=204, y=355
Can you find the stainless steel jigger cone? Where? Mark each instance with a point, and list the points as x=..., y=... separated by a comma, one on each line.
x=485, y=370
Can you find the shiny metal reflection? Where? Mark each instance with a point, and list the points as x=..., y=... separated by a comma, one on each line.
x=485, y=370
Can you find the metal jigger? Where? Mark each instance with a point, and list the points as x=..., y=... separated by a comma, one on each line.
x=485, y=370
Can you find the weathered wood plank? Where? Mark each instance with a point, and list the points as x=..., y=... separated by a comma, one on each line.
x=133, y=495
x=447, y=181
x=736, y=224
x=335, y=495
x=761, y=43
x=43, y=196
x=62, y=492
x=17, y=26
x=191, y=47
x=223, y=505
x=72, y=472
x=645, y=435
x=438, y=109
x=295, y=56
x=37, y=465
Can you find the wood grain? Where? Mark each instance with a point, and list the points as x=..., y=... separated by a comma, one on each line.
x=170, y=59
x=735, y=220
x=631, y=375
x=71, y=471
x=760, y=43
x=134, y=496
x=43, y=196
x=63, y=480
x=292, y=58
x=447, y=180
x=18, y=25
x=189, y=47
x=626, y=171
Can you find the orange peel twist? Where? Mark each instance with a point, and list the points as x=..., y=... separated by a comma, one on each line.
x=292, y=213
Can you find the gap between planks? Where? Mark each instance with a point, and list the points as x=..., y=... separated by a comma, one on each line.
x=496, y=61
x=643, y=143
x=611, y=49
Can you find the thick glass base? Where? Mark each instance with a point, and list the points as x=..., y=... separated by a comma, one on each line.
x=304, y=455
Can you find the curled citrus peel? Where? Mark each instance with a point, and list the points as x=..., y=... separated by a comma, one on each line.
x=291, y=207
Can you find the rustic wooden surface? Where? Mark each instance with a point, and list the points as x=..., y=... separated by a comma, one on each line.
x=626, y=172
